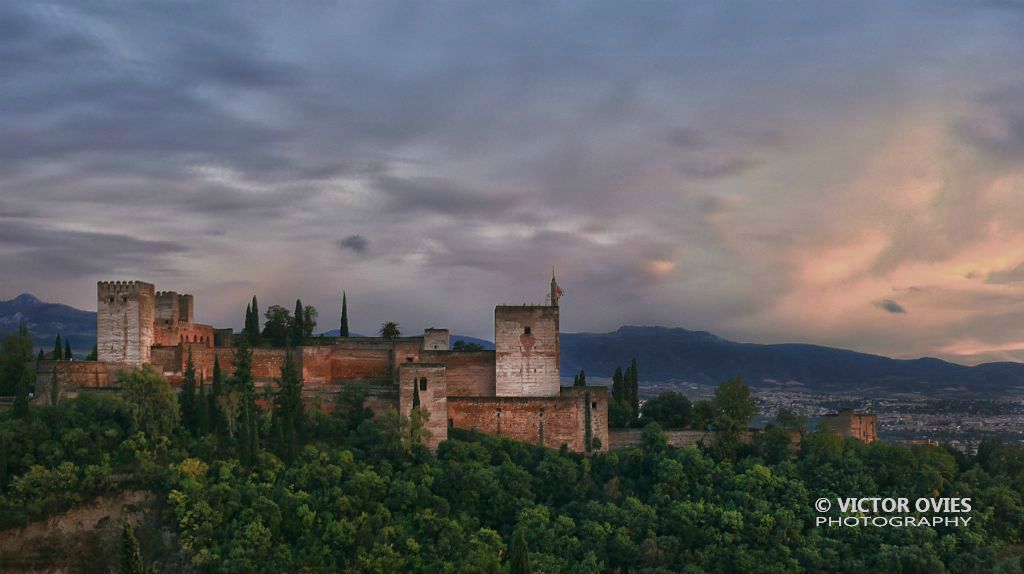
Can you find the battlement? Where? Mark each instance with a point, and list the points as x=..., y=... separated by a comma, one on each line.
x=123, y=287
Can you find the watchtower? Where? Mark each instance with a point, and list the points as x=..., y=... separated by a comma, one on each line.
x=125, y=311
x=527, y=353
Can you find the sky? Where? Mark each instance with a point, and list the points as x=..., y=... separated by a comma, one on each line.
x=841, y=173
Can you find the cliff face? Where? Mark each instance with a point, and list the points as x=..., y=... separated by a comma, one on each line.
x=88, y=538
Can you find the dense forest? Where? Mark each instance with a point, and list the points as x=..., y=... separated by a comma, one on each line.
x=286, y=488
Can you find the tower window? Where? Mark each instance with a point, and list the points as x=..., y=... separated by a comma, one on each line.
x=526, y=331
x=593, y=405
x=423, y=384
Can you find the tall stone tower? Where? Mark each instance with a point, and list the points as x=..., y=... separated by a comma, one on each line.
x=125, y=311
x=527, y=353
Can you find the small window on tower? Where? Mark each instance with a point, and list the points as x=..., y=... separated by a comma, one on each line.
x=593, y=405
x=423, y=384
x=526, y=331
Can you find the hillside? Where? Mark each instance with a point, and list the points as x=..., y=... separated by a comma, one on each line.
x=667, y=354
x=45, y=320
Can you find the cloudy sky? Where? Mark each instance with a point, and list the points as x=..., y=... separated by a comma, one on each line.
x=848, y=174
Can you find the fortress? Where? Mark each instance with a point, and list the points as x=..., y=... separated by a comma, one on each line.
x=513, y=391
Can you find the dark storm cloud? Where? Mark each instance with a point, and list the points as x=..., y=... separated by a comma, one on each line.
x=677, y=159
x=43, y=252
x=355, y=243
x=443, y=196
x=889, y=306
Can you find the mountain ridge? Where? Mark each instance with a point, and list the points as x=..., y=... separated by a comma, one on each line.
x=665, y=354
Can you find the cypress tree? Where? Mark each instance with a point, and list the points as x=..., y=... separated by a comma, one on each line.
x=634, y=389
x=21, y=395
x=618, y=392
x=95, y=354
x=203, y=411
x=247, y=329
x=242, y=378
x=67, y=350
x=131, y=557
x=216, y=419
x=188, y=396
x=415, y=394
x=580, y=380
x=58, y=349
x=519, y=554
x=254, y=337
x=289, y=415
x=298, y=326
x=41, y=356
x=344, y=315
x=244, y=442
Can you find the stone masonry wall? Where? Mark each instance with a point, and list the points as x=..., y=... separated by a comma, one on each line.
x=430, y=379
x=124, y=321
x=544, y=421
x=468, y=374
x=527, y=351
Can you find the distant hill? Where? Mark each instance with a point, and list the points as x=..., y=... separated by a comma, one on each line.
x=45, y=320
x=664, y=354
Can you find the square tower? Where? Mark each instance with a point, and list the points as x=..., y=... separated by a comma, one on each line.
x=526, y=346
x=125, y=312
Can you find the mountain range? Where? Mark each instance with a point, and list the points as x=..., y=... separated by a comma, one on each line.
x=663, y=354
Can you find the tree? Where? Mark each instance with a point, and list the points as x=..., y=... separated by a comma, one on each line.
x=131, y=557
x=17, y=377
x=58, y=349
x=278, y=325
x=618, y=388
x=93, y=355
x=151, y=401
x=519, y=554
x=41, y=356
x=67, y=350
x=415, y=394
x=671, y=410
x=703, y=415
x=244, y=400
x=309, y=316
x=247, y=329
x=298, y=330
x=580, y=380
x=466, y=346
x=389, y=330
x=188, y=396
x=216, y=390
x=734, y=409
x=289, y=413
x=633, y=389
x=20, y=406
x=343, y=332
x=202, y=410
x=245, y=452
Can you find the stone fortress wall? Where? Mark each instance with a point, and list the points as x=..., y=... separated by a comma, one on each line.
x=513, y=391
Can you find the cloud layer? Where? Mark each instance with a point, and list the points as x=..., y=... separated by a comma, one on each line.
x=772, y=173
